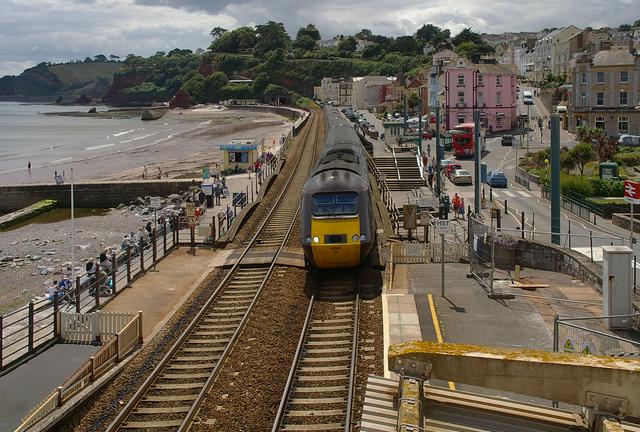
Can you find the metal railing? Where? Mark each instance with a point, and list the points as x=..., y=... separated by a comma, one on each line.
x=31, y=327
x=589, y=335
x=385, y=193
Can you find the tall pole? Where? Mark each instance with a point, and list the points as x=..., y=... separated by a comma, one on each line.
x=477, y=149
x=439, y=153
x=555, y=178
x=528, y=127
x=442, y=263
x=73, y=248
x=406, y=117
x=420, y=127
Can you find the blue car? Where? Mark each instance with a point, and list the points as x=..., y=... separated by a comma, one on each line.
x=496, y=179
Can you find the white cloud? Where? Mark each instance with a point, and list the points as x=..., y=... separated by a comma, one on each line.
x=32, y=31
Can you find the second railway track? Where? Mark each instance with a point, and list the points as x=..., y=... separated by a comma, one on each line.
x=169, y=398
x=319, y=393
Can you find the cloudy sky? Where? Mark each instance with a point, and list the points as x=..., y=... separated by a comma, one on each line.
x=32, y=31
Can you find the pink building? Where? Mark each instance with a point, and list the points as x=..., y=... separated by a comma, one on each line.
x=489, y=87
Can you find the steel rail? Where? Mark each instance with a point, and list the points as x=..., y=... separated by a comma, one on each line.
x=147, y=384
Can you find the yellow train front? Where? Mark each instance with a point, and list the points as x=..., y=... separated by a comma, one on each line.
x=337, y=227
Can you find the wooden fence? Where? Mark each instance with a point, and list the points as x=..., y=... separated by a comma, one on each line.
x=120, y=343
x=420, y=253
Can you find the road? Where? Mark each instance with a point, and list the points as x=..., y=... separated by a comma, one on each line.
x=585, y=235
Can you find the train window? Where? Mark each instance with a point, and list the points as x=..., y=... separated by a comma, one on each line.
x=340, y=204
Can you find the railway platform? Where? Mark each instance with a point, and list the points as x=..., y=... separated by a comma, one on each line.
x=29, y=383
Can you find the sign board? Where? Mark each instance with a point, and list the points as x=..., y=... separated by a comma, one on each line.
x=441, y=225
x=191, y=210
x=410, y=216
x=569, y=345
x=154, y=202
x=238, y=147
x=207, y=189
x=205, y=172
x=424, y=217
x=587, y=349
x=632, y=191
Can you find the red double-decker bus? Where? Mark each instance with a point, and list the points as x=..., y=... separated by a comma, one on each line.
x=462, y=140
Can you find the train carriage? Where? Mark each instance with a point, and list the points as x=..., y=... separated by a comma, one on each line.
x=337, y=226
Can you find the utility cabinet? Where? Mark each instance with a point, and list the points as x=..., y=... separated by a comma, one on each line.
x=617, y=281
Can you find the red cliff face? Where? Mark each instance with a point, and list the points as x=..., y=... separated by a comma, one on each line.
x=120, y=82
x=181, y=100
x=205, y=68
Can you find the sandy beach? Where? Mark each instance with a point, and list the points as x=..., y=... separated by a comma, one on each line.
x=191, y=139
x=179, y=143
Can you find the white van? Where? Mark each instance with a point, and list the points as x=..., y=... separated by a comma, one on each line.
x=527, y=97
x=629, y=140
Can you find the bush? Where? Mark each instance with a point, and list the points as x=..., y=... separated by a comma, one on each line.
x=628, y=159
x=608, y=188
x=576, y=185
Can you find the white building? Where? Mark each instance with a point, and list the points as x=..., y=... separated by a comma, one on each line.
x=336, y=90
x=368, y=91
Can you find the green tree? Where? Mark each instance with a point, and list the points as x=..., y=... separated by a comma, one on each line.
x=271, y=36
x=100, y=58
x=406, y=45
x=216, y=32
x=212, y=86
x=240, y=39
x=567, y=161
x=413, y=101
x=304, y=42
x=607, y=148
x=466, y=49
x=583, y=153
x=347, y=44
x=372, y=51
x=624, y=27
x=310, y=30
x=433, y=34
x=259, y=84
x=467, y=35
x=195, y=88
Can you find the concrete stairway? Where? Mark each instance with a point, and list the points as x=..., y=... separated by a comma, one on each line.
x=402, y=173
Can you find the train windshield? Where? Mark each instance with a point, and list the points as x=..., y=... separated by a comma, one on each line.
x=336, y=204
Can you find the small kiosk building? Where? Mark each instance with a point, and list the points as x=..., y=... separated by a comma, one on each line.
x=240, y=153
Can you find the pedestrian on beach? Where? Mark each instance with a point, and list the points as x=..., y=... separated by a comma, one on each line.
x=159, y=173
x=29, y=166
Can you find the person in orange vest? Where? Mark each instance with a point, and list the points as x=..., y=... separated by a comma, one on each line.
x=456, y=205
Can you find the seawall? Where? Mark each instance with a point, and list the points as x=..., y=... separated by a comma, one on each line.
x=89, y=194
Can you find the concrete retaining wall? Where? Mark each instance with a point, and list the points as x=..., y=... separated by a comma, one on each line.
x=548, y=257
x=89, y=195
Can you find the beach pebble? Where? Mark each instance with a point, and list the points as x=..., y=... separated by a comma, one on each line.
x=6, y=258
x=44, y=271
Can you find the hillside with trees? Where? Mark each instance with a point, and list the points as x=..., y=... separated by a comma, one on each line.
x=247, y=62
x=91, y=77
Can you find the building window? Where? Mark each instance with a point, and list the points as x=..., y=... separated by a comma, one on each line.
x=583, y=99
x=498, y=121
x=624, y=76
x=584, y=78
x=624, y=98
x=460, y=80
x=599, y=77
x=599, y=122
x=498, y=79
x=480, y=80
x=461, y=97
x=600, y=98
x=480, y=98
x=623, y=124
x=499, y=98
x=461, y=118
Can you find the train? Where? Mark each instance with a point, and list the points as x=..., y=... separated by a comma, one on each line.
x=337, y=227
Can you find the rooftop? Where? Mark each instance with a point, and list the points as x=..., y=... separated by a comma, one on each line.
x=621, y=57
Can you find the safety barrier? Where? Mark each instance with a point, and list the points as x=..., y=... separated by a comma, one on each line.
x=112, y=352
x=385, y=193
x=589, y=335
x=92, y=327
x=31, y=327
x=421, y=253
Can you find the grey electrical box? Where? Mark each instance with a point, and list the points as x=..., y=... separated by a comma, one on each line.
x=617, y=281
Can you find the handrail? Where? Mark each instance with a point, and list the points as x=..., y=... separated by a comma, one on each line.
x=395, y=162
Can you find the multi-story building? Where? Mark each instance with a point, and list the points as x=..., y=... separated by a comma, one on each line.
x=491, y=88
x=336, y=90
x=606, y=92
x=553, y=52
x=368, y=91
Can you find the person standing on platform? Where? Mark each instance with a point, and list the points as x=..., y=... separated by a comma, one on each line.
x=456, y=205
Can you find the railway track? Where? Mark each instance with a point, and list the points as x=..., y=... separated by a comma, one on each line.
x=170, y=397
x=319, y=391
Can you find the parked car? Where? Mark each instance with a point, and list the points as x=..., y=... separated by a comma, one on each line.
x=460, y=176
x=629, y=140
x=444, y=163
x=496, y=179
x=507, y=140
x=428, y=134
x=451, y=168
